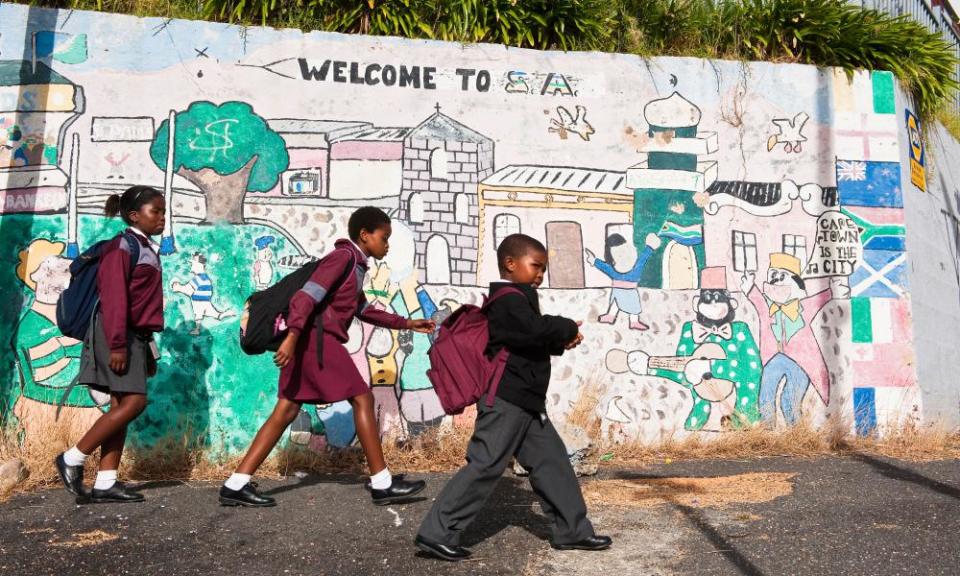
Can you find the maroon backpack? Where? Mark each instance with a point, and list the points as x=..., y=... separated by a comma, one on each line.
x=460, y=371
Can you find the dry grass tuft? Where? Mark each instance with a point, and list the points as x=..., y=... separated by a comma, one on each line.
x=911, y=443
x=444, y=448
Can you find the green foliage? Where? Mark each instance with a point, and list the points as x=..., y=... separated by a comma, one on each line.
x=818, y=32
x=223, y=138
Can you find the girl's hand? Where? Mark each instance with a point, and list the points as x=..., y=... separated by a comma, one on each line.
x=421, y=326
x=118, y=361
x=284, y=354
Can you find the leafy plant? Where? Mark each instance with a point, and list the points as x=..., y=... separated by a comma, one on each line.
x=818, y=32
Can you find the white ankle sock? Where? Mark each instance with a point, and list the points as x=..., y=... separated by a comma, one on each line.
x=74, y=457
x=381, y=480
x=105, y=480
x=237, y=481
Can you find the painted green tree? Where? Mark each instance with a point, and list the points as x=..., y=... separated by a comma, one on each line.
x=226, y=151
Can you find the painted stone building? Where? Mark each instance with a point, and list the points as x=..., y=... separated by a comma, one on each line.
x=443, y=163
x=665, y=184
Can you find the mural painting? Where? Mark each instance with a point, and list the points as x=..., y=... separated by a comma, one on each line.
x=737, y=255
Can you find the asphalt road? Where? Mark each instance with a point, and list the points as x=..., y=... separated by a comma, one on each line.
x=854, y=515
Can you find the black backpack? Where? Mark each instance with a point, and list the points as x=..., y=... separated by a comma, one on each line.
x=263, y=326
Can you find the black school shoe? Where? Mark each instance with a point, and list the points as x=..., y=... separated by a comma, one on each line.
x=118, y=493
x=394, y=478
x=71, y=476
x=442, y=551
x=591, y=543
x=398, y=491
x=246, y=496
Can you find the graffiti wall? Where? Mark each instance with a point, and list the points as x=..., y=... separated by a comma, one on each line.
x=731, y=235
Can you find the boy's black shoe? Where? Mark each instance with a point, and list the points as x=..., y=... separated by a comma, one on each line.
x=589, y=543
x=451, y=553
x=246, y=496
x=71, y=476
x=399, y=490
x=116, y=493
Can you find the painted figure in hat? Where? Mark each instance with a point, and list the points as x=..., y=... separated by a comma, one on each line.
x=263, y=265
x=788, y=347
x=717, y=360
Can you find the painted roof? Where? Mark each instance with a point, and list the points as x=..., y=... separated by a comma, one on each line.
x=763, y=193
x=442, y=127
x=560, y=178
x=21, y=73
x=374, y=133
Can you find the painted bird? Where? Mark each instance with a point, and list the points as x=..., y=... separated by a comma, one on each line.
x=568, y=123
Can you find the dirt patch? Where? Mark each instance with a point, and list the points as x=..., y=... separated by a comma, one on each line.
x=717, y=492
x=84, y=539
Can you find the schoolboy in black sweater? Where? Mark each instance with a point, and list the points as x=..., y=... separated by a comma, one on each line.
x=517, y=424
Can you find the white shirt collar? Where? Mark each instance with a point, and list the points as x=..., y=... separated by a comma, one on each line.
x=359, y=250
x=138, y=232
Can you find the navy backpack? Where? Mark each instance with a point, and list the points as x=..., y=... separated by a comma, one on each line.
x=78, y=303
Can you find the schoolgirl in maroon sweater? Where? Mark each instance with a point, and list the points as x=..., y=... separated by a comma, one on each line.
x=305, y=380
x=119, y=353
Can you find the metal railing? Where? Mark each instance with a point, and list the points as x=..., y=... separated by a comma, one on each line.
x=935, y=18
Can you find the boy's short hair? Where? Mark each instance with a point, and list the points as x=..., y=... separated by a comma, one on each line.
x=516, y=246
x=368, y=218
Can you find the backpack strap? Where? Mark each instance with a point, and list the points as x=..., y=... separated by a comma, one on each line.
x=500, y=293
x=134, y=244
x=334, y=288
x=500, y=358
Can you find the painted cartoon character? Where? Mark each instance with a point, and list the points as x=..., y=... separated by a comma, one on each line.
x=263, y=265
x=624, y=267
x=48, y=361
x=788, y=347
x=717, y=360
x=200, y=291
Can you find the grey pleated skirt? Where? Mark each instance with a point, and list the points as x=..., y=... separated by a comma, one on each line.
x=95, y=369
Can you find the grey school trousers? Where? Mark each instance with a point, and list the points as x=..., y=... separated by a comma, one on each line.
x=501, y=432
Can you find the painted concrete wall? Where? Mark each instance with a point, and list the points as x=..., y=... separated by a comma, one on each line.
x=732, y=236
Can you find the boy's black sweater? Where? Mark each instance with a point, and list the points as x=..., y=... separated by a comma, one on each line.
x=516, y=323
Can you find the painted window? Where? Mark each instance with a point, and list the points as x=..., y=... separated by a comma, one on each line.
x=796, y=246
x=438, y=260
x=462, y=209
x=744, y=251
x=415, y=208
x=438, y=164
x=503, y=226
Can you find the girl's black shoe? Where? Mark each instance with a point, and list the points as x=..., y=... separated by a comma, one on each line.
x=71, y=476
x=398, y=491
x=246, y=496
x=116, y=493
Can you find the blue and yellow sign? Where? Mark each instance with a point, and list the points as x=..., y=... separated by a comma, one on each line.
x=917, y=174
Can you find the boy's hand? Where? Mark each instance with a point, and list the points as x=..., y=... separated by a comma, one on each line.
x=118, y=361
x=575, y=342
x=421, y=326
x=284, y=354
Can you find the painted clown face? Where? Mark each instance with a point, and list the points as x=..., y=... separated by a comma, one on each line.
x=52, y=278
x=714, y=307
x=782, y=286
